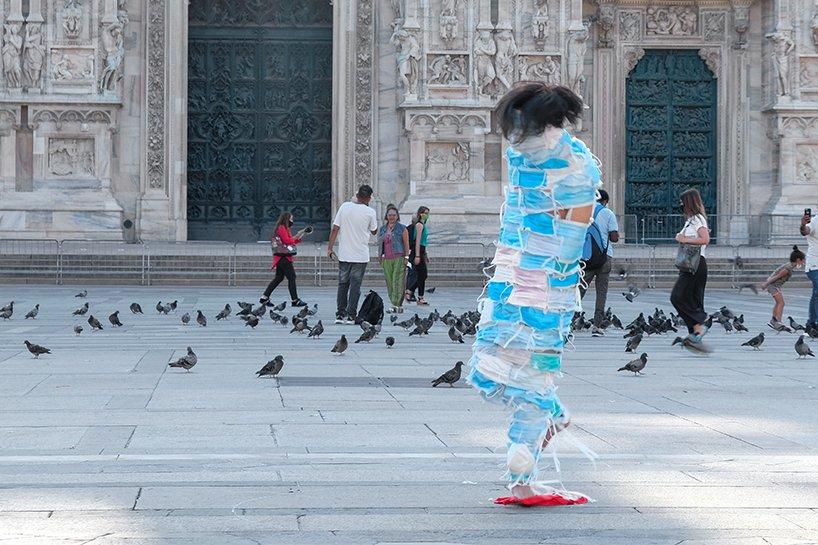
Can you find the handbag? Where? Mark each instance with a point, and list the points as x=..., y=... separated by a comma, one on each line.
x=688, y=257
x=283, y=250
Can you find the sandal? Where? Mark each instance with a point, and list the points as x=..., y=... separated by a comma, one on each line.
x=422, y=301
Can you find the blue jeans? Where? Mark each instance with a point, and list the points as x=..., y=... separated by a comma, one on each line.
x=813, y=302
x=350, y=276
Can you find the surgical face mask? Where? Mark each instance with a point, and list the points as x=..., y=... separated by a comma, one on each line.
x=424, y=217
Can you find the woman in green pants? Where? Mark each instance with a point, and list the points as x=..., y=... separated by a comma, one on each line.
x=393, y=238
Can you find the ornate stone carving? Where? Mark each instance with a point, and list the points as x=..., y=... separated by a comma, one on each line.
x=437, y=123
x=12, y=55
x=505, y=57
x=713, y=25
x=362, y=155
x=539, y=68
x=797, y=127
x=155, y=155
x=630, y=26
x=782, y=48
x=577, y=45
x=59, y=117
x=122, y=12
x=72, y=65
x=408, y=57
x=447, y=70
x=605, y=24
x=808, y=75
x=397, y=8
x=447, y=161
x=114, y=52
x=71, y=157
x=741, y=22
x=806, y=163
x=72, y=19
x=712, y=58
x=670, y=21
x=448, y=21
x=539, y=22
x=484, y=51
x=33, y=55
x=632, y=57
x=814, y=28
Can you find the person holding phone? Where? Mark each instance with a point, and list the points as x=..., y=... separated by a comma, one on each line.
x=284, y=250
x=809, y=229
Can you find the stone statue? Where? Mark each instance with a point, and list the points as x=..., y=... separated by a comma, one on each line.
x=122, y=12
x=484, y=50
x=577, y=45
x=72, y=19
x=782, y=47
x=12, y=51
x=33, y=55
x=539, y=21
x=506, y=53
x=460, y=162
x=408, y=57
x=114, y=47
x=448, y=20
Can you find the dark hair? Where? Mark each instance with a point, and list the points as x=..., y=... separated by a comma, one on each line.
x=603, y=196
x=389, y=207
x=692, y=202
x=530, y=107
x=364, y=191
x=796, y=254
x=284, y=219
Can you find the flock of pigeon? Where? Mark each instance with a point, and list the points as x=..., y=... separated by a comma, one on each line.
x=458, y=327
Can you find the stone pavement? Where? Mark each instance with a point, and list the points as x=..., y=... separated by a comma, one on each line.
x=102, y=443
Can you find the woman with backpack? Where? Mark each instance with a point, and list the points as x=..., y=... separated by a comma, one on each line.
x=418, y=240
x=393, y=239
x=284, y=250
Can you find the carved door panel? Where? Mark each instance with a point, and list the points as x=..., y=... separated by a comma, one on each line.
x=259, y=116
x=670, y=136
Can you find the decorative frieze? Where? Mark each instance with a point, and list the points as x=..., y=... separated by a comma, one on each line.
x=539, y=22
x=449, y=24
x=72, y=19
x=712, y=58
x=72, y=65
x=364, y=53
x=671, y=21
x=714, y=24
x=544, y=68
x=71, y=158
x=630, y=26
x=155, y=155
x=447, y=161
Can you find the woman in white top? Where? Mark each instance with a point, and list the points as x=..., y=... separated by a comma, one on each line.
x=688, y=292
x=809, y=228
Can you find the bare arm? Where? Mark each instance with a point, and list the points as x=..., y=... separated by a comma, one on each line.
x=613, y=236
x=406, y=243
x=332, y=236
x=702, y=238
x=805, y=220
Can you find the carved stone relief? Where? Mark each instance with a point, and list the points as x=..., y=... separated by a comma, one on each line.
x=630, y=26
x=408, y=57
x=713, y=25
x=605, y=24
x=449, y=23
x=671, y=21
x=632, y=57
x=446, y=69
x=544, y=68
x=539, y=22
x=806, y=163
x=577, y=45
x=155, y=155
x=447, y=161
x=814, y=28
x=71, y=158
x=72, y=19
x=12, y=55
x=72, y=65
x=808, y=75
x=33, y=55
x=741, y=22
x=505, y=57
x=485, y=49
x=712, y=58
x=113, y=52
x=782, y=48
x=437, y=123
x=362, y=156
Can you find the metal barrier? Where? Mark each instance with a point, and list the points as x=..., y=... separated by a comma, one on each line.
x=732, y=229
x=102, y=262
x=30, y=260
x=180, y=262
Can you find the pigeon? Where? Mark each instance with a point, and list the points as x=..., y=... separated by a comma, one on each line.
x=367, y=336
x=94, y=323
x=303, y=312
x=159, y=307
x=633, y=343
x=82, y=310
x=33, y=312
x=77, y=329
x=341, y=345
x=135, y=308
x=6, y=314
x=185, y=318
x=300, y=325
x=812, y=332
x=751, y=287
x=279, y=308
x=793, y=324
x=449, y=377
x=755, y=342
x=186, y=362
x=632, y=293
x=272, y=368
x=728, y=327
x=200, y=318
x=778, y=327
x=37, y=350
x=259, y=312
x=173, y=305
x=739, y=326
x=81, y=294
x=390, y=342
x=313, y=311
x=252, y=321
x=455, y=335
x=166, y=309
x=225, y=313
x=114, y=319
x=635, y=366
x=430, y=290
x=802, y=348
x=317, y=330
x=284, y=321
x=677, y=340
x=393, y=318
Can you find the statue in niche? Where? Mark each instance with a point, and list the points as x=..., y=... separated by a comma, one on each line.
x=460, y=162
x=33, y=55
x=539, y=22
x=484, y=51
x=12, y=52
x=72, y=19
x=448, y=20
x=577, y=45
x=782, y=47
x=504, y=60
x=114, y=47
x=408, y=53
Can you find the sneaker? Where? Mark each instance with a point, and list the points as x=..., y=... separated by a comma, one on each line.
x=299, y=303
x=350, y=320
x=694, y=343
x=264, y=301
x=772, y=324
x=339, y=318
x=596, y=332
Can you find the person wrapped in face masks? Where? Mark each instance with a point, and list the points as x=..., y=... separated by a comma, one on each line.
x=528, y=304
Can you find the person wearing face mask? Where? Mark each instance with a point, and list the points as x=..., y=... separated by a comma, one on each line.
x=393, y=238
x=284, y=250
x=418, y=258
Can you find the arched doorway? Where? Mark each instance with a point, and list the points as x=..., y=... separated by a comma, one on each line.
x=259, y=117
x=670, y=138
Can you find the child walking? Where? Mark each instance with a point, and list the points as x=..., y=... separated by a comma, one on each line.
x=776, y=281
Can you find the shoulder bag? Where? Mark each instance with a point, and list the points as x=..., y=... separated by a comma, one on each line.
x=688, y=256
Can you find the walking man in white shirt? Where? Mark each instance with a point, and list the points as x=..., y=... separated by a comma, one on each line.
x=352, y=225
x=809, y=228
x=602, y=233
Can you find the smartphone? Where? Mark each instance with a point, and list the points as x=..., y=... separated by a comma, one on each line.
x=308, y=229
x=808, y=212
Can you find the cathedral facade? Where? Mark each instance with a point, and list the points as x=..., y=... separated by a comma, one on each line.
x=204, y=120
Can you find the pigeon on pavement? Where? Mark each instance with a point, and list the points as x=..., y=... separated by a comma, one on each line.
x=367, y=335
x=449, y=377
x=186, y=362
x=200, y=318
x=94, y=323
x=455, y=335
x=280, y=307
x=633, y=343
x=272, y=368
x=33, y=312
x=159, y=307
x=114, y=319
x=82, y=310
x=632, y=293
x=185, y=318
x=135, y=308
x=755, y=342
x=341, y=345
x=317, y=330
x=802, y=348
x=225, y=313
x=77, y=329
x=795, y=325
x=252, y=321
x=635, y=366
x=37, y=350
x=83, y=293
x=390, y=342
x=778, y=327
x=677, y=340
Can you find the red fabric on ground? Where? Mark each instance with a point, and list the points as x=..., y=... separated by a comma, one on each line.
x=548, y=500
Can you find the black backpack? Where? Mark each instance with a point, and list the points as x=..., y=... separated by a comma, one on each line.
x=371, y=309
x=598, y=255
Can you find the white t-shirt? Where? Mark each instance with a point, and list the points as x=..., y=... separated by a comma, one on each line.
x=356, y=222
x=692, y=226
x=812, y=246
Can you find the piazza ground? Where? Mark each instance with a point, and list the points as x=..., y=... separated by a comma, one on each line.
x=102, y=443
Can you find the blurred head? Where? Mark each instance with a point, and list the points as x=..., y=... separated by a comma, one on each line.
x=531, y=107
x=285, y=219
x=603, y=197
x=364, y=194
x=692, y=203
x=797, y=257
x=392, y=215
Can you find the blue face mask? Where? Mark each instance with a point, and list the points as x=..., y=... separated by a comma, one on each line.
x=572, y=235
x=541, y=223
